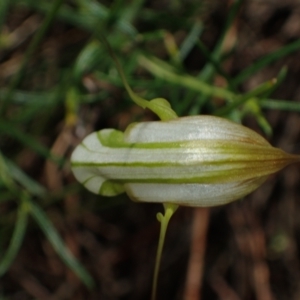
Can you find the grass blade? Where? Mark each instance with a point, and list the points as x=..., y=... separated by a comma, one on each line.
x=59, y=246
x=28, y=183
x=208, y=70
x=190, y=40
x=280, y=105
x=157, y=68
x=16, y=240
x=261, y=89
x=266, y=60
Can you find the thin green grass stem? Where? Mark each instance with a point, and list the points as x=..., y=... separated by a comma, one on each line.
x=190, y=40
x=261, y=89
x=17, y=238
x=280, y=105
x=265, y=61
x=213, y=62
x=58, y=244
x=209, y=69
x=164, y=221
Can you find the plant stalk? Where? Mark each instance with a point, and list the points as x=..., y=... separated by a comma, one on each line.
x=164, y=221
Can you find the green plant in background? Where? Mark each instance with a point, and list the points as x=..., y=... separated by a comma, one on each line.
x=28, y=110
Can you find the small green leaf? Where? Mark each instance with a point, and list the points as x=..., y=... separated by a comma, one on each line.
x=162, y=108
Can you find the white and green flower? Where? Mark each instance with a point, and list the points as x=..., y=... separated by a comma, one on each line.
x=193, y=161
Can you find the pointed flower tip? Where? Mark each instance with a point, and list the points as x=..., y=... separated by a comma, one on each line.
x=194, y=161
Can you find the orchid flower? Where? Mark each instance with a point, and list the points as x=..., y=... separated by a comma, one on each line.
x=192, y=161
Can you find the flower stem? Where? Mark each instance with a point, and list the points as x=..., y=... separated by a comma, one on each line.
x=164, y=221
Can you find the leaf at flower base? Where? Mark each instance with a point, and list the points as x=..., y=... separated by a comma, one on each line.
x=162, y=108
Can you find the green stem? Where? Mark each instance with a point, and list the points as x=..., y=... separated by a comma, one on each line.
x=164, y=221
x=159, y=106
